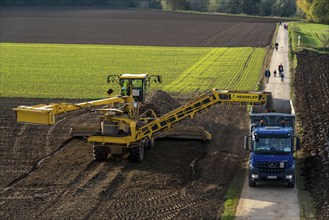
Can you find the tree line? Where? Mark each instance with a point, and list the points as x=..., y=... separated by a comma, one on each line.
x=109, y=3
x=315, y=10
x=312, y=10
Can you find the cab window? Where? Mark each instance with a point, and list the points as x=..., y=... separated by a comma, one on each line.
x=125, y=87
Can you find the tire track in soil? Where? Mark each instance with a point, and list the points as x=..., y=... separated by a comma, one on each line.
x=49, y=135
x=182, y=77
x=106, y=192
x=165, y=204
x=201, y=73
x=197, y=70
x=19, y=135
x=37, y=164
x=27, y=193
x=131, y=202
x=209, y=40
x=95, y=181
x=26, y=142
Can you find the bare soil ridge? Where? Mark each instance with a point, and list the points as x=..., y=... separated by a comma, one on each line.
x=312, y=101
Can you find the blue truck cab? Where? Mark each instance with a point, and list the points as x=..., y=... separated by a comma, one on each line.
x=271, y=143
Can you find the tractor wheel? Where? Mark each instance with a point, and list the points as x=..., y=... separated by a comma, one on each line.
x=99, y=153
x=146, y=144
x=150, y=143
x=137, y=153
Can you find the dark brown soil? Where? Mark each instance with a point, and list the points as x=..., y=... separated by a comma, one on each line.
x=312, y=105
x=45, y=174
x=85, y=25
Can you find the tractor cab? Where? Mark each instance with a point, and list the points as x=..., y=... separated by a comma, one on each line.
x=134, y=85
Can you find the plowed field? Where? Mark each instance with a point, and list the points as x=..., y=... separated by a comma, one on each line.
x=312, y=101
x=46, y=174
x=131, y=27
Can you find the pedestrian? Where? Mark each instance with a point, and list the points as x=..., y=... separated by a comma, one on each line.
x=267, y=75
x=274, y=73
x=280, y=68
x=282, y=76
x=276, y=46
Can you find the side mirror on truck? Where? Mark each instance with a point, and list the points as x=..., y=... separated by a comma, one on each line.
x=247, y=142
x=297, y=143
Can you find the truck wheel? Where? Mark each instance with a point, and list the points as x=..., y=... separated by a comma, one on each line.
x=252, y=183
x=137, y=153
x=99, y=153
x=291, y=185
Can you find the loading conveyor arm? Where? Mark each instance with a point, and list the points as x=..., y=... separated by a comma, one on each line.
x=204, y=101
x=45, y=114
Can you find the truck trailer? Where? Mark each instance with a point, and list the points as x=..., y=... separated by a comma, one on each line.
x=272, y=143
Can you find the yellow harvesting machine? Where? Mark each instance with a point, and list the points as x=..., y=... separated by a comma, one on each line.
x=123, y=130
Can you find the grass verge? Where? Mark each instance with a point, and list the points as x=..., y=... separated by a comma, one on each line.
x=233, y=196
x=311, y=36
x=306, y=203
x=307, y=209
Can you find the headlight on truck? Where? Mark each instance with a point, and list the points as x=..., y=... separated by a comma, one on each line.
x=254, y=176
x=289, y=177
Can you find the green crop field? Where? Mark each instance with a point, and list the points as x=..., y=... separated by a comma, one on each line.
x=223, y=68
x=314, y=36
x=79, y=71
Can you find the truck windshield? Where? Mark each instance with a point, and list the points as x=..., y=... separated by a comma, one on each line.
x=272, y=145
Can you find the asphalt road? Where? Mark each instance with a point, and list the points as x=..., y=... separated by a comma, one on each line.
x=272, y=201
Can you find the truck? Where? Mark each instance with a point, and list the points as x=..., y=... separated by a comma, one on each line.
x=272, y=142
x=123, y=130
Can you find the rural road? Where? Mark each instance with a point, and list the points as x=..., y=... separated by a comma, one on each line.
x=272, y=201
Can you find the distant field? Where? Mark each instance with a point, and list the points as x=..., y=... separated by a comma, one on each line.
x=315, y=36
x=90, y=25
x=79, y=71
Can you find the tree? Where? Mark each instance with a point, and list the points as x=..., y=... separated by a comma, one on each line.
x=169, y=5
x=320, y=11
x=250, y=7
x=265, y=7
x=315, y=10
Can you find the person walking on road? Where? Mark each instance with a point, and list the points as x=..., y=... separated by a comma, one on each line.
x=276, y=45
x=267, y=75
x=282, y=76
x=281, y=72
x=280, y=68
